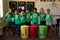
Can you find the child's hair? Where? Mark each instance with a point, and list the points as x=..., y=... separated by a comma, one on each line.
x=28, y=9
x=22, y=10
x=34, y=8
x=48, y=9
x=10, y=8
x=16, y=10
x=42, y=9
x=22, y=13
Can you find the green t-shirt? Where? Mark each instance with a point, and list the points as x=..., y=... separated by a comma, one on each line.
x=31, y=13
x=17, y=19
x=27, y=17
x=12, y=18
x=22, y=19
x=8, y=17
x=34, y=18
x=49, y=17
x=42, y=16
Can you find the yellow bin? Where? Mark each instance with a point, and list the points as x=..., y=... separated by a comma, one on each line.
x=24, y=31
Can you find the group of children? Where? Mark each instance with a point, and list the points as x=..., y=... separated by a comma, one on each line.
x=16, y=19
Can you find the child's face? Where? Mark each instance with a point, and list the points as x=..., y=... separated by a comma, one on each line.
x=10, y=10
x=41, y=10
x=27, y=11
x=48, y=10
x=22, y=13
x=34, y=11
x=16, y=12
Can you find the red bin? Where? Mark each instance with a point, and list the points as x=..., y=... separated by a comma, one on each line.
x=34, y=31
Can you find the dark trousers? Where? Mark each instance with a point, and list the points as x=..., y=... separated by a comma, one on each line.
x=13, y=28
x=28, y=23
x=22, y=24
x=43, y=22
x=13, y=24
x=8, y=26
x=17, y=29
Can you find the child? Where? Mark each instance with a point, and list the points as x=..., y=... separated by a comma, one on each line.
x=42, y=17
x=27, y=17
x=8, y=19
x=13, y=24
x=17, y=23
x=35, y=16
x=49, y=21
x=22, y=18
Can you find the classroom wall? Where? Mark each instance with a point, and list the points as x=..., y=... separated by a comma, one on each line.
x=5, y=9
x=55, y=12
x=38, y=5
x=21, y=0
x=24, y=0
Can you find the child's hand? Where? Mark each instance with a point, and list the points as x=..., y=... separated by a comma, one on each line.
x=31, y=17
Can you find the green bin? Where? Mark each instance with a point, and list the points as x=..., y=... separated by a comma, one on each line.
x=42, y=31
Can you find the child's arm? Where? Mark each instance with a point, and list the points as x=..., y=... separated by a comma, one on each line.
x=6, y=15
x=51, y=19
x=38, y=13
x=31, y=17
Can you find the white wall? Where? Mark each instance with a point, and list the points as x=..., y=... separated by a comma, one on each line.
x=45, y=5
x=1, y=8
x=55, y=12
x=5, y=9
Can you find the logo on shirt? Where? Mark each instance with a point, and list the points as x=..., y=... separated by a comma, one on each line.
x=22, y=18
x=16, y=16
x=47, y=16
x=35, y=15
x=28, y=15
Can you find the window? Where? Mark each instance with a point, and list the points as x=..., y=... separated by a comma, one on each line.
x=21, y=5
x=1, y=8
x=13, y=5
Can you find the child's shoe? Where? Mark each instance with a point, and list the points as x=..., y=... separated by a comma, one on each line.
x=7, y=33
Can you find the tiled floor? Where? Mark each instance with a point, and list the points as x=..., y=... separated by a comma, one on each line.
x=4, y=37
